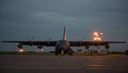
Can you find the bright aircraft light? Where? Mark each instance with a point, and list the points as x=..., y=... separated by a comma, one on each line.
x=41, y=49
x=21, y=50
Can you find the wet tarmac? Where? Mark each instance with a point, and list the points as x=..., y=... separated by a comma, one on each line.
x=63, y=64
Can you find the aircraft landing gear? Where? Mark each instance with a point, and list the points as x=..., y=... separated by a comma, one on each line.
x=62, y=52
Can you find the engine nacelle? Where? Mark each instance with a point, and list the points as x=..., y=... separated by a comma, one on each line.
x=86, y=47
x=39, y=46
x=107, y=46
x=20, y=46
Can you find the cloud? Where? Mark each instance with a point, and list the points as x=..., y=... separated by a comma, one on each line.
x=55, y=16
x=47, y=18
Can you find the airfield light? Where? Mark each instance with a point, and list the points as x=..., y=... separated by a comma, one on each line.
x=95, y=33
x=101, y=33
x=97, y=36
x=97, y=39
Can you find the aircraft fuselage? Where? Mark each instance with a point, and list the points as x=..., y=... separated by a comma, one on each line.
x=62, y=47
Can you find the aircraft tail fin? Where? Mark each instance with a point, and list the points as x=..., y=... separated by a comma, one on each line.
x=64, y=34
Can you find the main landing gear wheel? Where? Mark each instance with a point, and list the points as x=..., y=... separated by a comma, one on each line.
x=62, y=52
x=56, y=53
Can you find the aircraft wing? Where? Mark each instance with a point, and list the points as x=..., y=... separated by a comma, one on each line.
x=92, y=43
x=30, y=43
x=72, y=43
x=39, y=44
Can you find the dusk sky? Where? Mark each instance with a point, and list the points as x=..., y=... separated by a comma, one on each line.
x=44, y=19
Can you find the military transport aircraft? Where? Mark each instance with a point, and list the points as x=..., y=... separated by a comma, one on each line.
x=64, y=46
